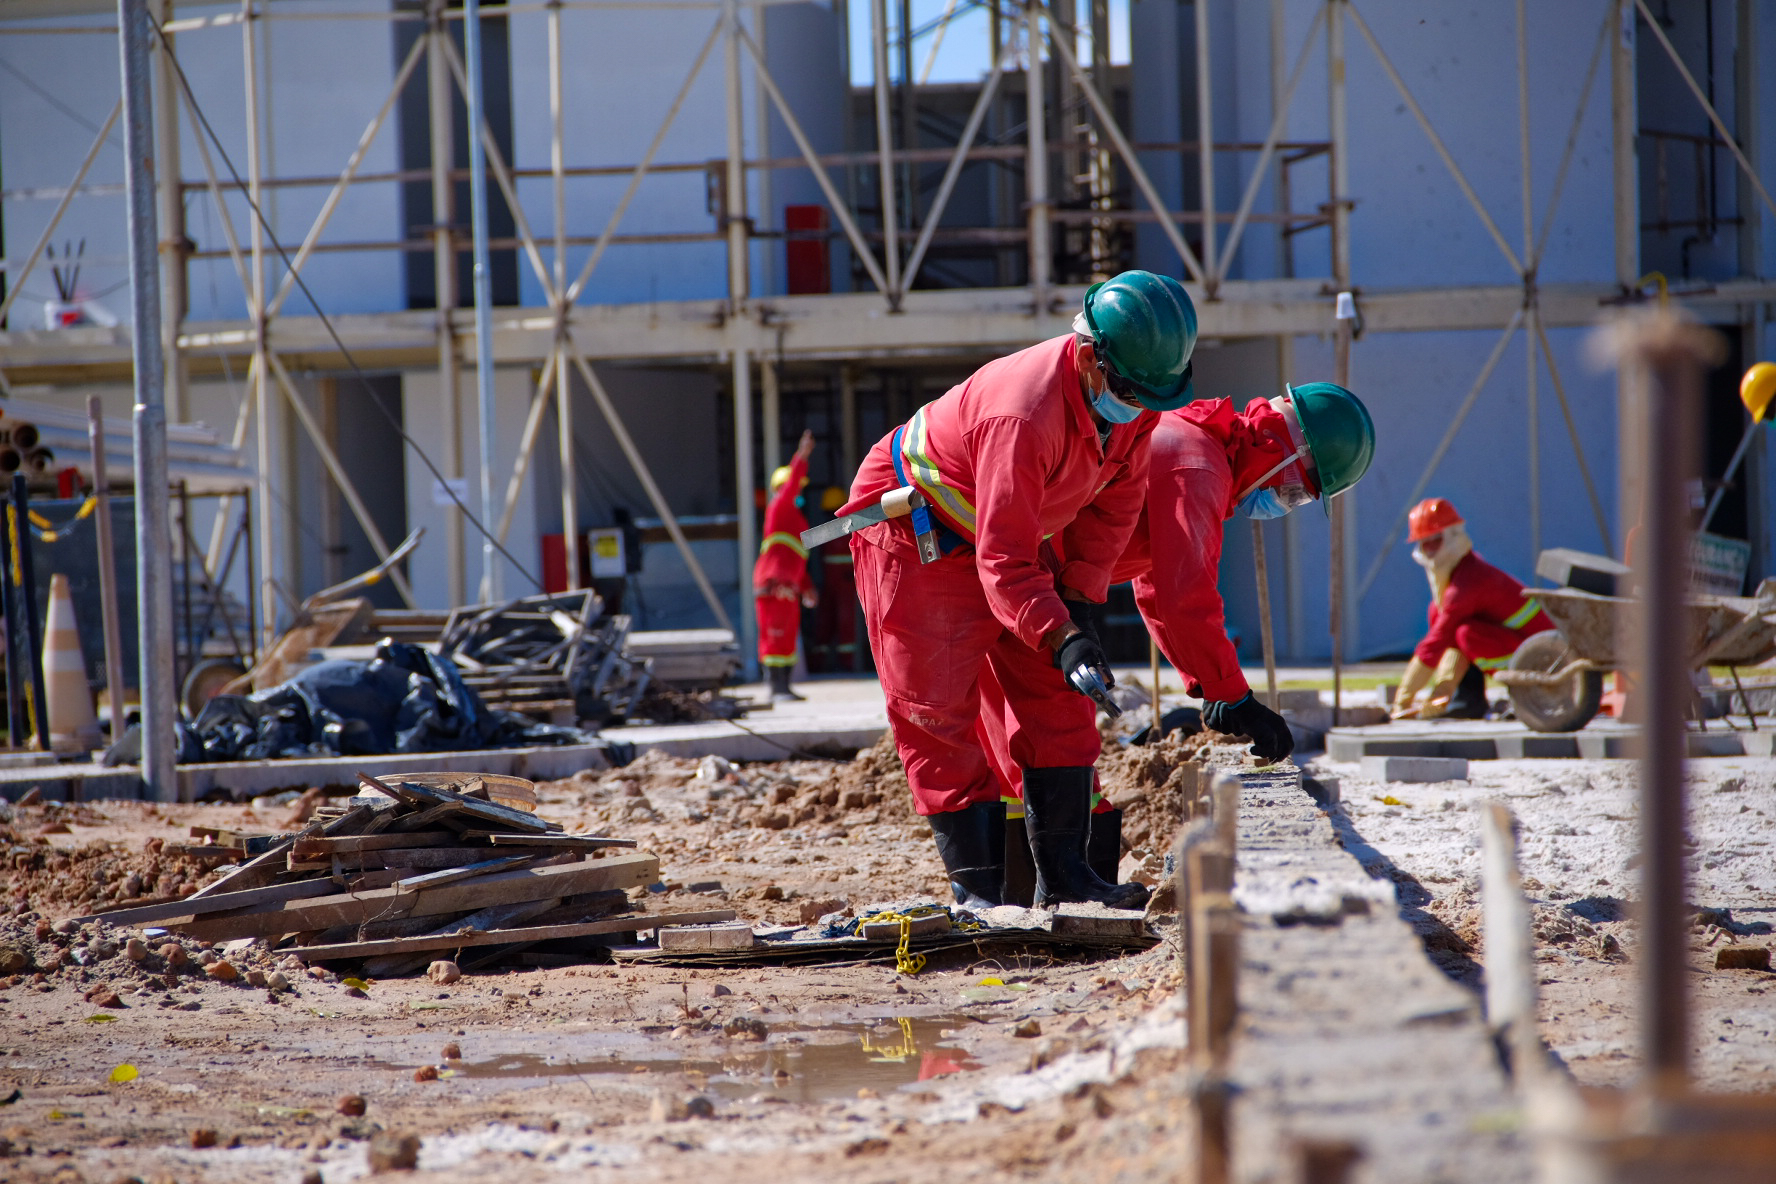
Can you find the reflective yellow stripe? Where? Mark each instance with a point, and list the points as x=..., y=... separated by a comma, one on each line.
x=782, y=539
x=929, y=479
x=1492, y=663
x=1524, y=615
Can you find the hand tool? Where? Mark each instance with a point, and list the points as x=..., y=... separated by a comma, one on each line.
x=896, y=503
x=1088, y=682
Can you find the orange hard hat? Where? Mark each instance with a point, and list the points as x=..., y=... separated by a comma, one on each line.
x=1432, y=516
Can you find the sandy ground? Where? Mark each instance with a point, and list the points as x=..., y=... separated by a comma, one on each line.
x=1060, y=1070
x=1578, y=849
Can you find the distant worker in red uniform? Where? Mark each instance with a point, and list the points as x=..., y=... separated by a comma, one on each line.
x=1479, y=615
x=835, y=625
x=1034, y=469
x=780, y=582
x=1206, y=464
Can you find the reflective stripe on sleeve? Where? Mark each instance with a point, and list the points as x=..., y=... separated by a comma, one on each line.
x=1524, y=615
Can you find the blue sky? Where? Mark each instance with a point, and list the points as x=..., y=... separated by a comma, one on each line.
x=962, y=56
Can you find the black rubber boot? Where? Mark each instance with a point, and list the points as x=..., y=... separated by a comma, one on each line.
x=1020, y=872
x=1103, y=848
x=1057, y=817
x=971, y=843
x=1469, y=700
x=780, y=688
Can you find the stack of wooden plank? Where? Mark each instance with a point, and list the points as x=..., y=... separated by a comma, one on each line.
x=417, y=866
x=559, y=657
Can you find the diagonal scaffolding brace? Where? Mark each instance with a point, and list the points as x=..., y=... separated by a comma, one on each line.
x=1430, y=132
x=1430, y=469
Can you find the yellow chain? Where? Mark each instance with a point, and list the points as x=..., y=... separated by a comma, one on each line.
x=905, y=961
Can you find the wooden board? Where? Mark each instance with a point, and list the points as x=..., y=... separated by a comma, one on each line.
x=263, y=869
x=500, y=937
x=466, y=872
x=571, y=879
x=314, y=847
x=248, y=898
x=576, y=842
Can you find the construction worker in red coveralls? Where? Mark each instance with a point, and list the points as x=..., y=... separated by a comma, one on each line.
x=1034, y=469
x=780, y=577
x=1206, y=463
x=1479, y=615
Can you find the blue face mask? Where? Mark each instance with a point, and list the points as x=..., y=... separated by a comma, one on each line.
x=1262, y=504
x=1113, y=408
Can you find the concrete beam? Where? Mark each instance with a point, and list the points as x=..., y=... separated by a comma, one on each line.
x=966, y=323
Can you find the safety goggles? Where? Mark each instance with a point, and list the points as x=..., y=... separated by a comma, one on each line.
x=1300, y=483
x=1124, y=390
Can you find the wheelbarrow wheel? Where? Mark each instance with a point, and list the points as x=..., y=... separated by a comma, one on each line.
x=1565, y=706
x=206, y=681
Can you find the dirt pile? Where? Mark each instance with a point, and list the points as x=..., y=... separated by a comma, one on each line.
x=114, y=969
x=1152, y=784
x=868, y=790
x=39, y=875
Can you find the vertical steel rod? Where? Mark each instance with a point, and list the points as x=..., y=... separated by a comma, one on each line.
x=1036, y=158
x=154, y=577
x=770, y=417
x=174, y=250
x=746, y=515
x=483, y=285
x=885, y=149
x=1665, y=359
x=1624, y=133
x=261, y=370
x=564, y=417
x=739, y=290
x=113, y=629
x=1338, y=134
x=1266, y=630
x=444, y=272
x=17, y=733
x=1205, y=136
x=29, y=614
x=848, y=421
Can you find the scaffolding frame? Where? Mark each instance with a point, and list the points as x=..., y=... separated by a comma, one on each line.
x=565, y=337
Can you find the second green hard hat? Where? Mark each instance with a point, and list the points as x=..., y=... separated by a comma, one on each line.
x=1339, y=433
x=1144, y=325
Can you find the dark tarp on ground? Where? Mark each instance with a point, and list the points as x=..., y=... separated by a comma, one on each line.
x=405, y=700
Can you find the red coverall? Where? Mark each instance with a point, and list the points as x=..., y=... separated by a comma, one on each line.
x=1007, y=459
x=1484, y=613
x=1203, y=456
x=780, y=577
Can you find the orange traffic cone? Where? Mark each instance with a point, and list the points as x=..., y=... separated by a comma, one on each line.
x=73, y=727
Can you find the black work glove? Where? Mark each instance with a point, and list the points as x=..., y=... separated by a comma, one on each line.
x=1268, y=731
x=1083, y=648
x=1084, y=615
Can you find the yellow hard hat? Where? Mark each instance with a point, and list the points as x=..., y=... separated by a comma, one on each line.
x=832, y=499
x=779, y=476
x=1757, y=390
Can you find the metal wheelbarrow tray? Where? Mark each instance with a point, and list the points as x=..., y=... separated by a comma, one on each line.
x=1555, y=679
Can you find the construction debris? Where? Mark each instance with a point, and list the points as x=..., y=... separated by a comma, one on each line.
x=417, y=866
x=403, y=700
x=555, y=654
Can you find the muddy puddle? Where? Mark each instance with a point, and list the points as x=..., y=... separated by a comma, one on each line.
x=798, y=1063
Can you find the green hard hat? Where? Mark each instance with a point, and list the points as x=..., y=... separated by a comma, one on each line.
x=1339, y=433
x=1144, y=326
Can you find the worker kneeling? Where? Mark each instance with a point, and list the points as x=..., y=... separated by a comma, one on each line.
x=1479, y=615
x=1034, y=469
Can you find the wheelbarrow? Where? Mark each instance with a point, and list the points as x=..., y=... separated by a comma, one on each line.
x=1555, y=679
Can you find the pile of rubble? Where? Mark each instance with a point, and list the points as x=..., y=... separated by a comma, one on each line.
x=417, y=866
x=555, y=657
